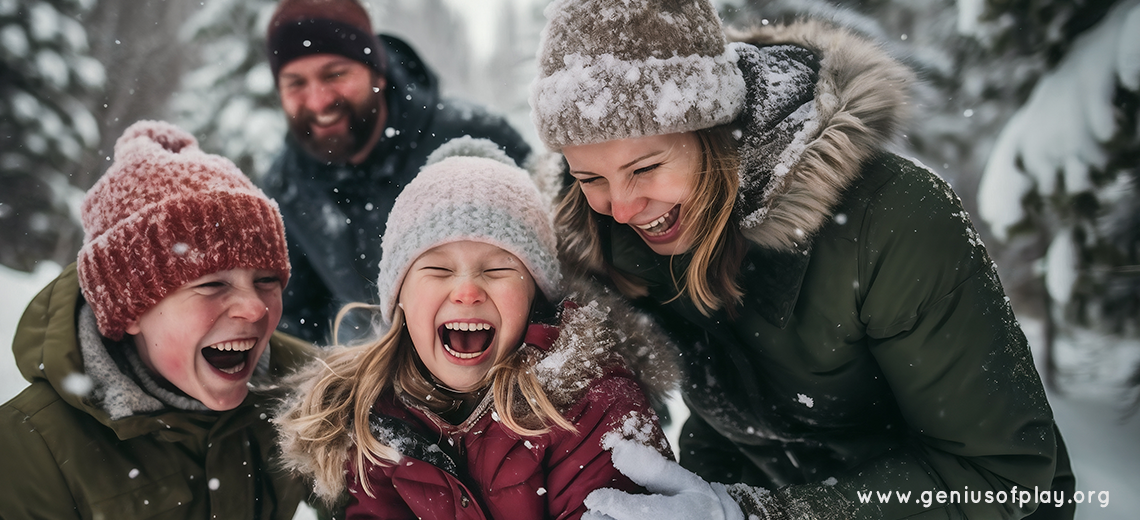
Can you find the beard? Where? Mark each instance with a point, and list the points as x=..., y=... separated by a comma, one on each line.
x=362, y=120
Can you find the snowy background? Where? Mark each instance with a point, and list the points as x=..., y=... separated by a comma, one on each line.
x=1029, y=108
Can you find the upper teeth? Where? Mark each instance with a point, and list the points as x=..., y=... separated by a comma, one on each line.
x=660, y=220
x=239, y=345
x=467, y=326
x=327, y=119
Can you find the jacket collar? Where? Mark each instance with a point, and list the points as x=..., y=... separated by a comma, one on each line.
x=794, y=180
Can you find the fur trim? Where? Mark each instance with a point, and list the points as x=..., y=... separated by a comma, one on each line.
x=861, y=102
x=603, y=326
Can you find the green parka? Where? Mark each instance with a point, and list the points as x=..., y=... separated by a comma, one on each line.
x=65, y=456
x=874, y=350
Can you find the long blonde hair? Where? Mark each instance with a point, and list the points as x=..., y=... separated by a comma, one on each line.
x=340, y=389
x=718, y=246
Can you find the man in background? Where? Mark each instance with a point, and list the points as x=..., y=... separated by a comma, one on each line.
x=364, y=112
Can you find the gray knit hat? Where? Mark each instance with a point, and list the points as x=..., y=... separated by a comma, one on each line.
x=613, y=70
x=469, y=190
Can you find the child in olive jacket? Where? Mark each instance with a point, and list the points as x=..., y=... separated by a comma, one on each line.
x=151, y=356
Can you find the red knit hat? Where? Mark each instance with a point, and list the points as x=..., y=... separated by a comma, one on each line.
x=164, y=214
x=303, y=27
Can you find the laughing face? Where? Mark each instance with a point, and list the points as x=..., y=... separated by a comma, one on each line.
x=335, y=106
x=467, y=306
x=642, y=182
x=205, y=337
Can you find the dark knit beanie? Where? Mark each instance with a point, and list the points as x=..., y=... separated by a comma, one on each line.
x=614, y=70
x=302, y=27
x=165, y=214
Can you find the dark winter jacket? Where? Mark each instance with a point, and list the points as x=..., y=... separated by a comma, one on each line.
x=335, y=213
x=874, y=350
x=481, y=469
x=86, y=441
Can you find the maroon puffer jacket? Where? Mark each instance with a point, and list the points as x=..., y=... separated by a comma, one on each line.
x=480, y=469
x=499, y=474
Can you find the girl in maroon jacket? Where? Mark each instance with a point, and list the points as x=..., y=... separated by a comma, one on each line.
x=478, y=398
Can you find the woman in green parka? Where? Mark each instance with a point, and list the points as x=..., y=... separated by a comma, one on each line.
x=843, y=330
x=152, y=358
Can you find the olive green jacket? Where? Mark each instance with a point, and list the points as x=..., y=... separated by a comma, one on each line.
x=874, y=349
x=66, y=457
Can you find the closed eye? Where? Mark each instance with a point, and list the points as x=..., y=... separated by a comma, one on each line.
x=646, y=169
x=267, y=281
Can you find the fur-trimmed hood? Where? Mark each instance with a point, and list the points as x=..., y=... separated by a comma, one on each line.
x=801, y=150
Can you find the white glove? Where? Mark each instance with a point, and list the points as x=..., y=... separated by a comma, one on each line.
x=680, y=494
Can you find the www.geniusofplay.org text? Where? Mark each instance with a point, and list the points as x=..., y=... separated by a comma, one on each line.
x=1015, y=496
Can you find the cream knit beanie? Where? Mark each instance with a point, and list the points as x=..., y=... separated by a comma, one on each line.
x=469, y=190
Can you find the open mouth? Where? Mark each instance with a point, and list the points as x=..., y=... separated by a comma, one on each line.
x=662, y=224
x=466, y=340
x=230, y=357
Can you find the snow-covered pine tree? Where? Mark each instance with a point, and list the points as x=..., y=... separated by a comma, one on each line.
x=228, y=100
x=47, y=79
x=1064, y=168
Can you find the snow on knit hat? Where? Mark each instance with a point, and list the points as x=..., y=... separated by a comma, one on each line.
x=614, y=70
x=468, y=190
x=164, y=214
x=302, y=27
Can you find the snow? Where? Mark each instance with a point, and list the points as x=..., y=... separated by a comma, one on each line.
x=78, y=384
x=1062, y=128
x=19, y=289
x=44, y=21
x=969, y=13
x=1061, y=267
x=13, y=39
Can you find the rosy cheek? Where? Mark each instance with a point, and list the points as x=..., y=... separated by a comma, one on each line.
x=598, y=203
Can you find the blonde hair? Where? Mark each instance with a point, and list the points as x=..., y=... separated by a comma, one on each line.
x=341, y=388
x=717, y=245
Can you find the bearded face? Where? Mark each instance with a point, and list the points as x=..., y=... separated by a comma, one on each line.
x=334, y=105
x=360, y=120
